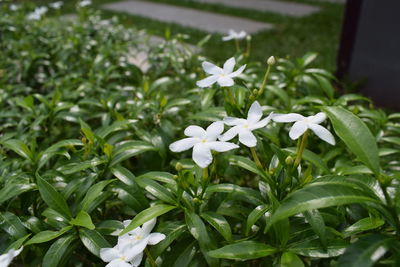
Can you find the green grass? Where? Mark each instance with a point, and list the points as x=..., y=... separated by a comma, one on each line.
x=291, y=36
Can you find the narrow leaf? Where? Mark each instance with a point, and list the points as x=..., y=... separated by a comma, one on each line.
x=83, y=219
x=245, y=250
x=219, y=223
x=45, y=236
x=93, y=241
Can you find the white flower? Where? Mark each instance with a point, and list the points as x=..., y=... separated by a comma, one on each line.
x=234, y=35
x=222, y=76
x=6, y=259
x=56, y=5
x=203, y=141
x=129, y=249
x=37, y=13
x=303, y=123
x=85, y=3
x=244, y=127
x=14, y=7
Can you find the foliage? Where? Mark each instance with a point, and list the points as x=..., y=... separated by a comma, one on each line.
x=84, y=145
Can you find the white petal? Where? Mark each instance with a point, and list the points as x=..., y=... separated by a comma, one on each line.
x=148, y=226
x=207, y=81
x=262, y=123
x=231, y=121
x=221, y=146
x=322, y=133
x=231, y=133
x=126, y=222
x=318, y=118
x=229, y=65
x=242, y=34
x=227, y=38
x=211, y=68
x=109, y=254
x=247, y=138
x=202, y=155
x=214, y=130
x=238, y=71
x=156, y=238
x=195, y=131
x=118, y=263
x=255, y=113
x=291, y=117
x=135, y=249
x=225, y=81
x=297, y=129
x=183, y=144
x=137, y=260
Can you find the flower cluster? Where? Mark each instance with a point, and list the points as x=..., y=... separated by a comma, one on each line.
x=6, y=258
x=129, y=249
x=233, y=35
x=37, y=13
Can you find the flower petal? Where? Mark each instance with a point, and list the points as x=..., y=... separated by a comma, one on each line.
x=210, y=80
x=183, y=144
x=255, y=113
x=291, y=117
x=202, y=155
x=318, y=118
x=262, y=123
x=156, y=238
x=214, y=130
x=211, y=68
x=322, y=133
x=231, y=133
x=297, y=129
x=148, y=226
x=135, y=248
x=195, y=131
x=225, y=81
x=118, y=263
x=221, y=146
x=231, y=121
x=247, y=138
x=238, y=71
x=137, y=260
x=227, y=38
x=109, y=254
x=229, y=65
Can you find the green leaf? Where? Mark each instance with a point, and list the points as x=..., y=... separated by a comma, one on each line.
x=245, y=250
x=123, y=174
x=362, y=225
x=171, y=234
x=311, y=157
x=52, y=197
x=325, y=85
x=87, y=131
x=157, y=190
x=247, y=164
x=57, y=251
x=83, y=219
x=317, y=223
x=289, y=259
x=248, y=194
x=93, y=241
x=12, y=190
x=93, y=193
x=129, y=149
x=366, y=251
x=253, y=217
x=18, y=243
x=356, y=135
x=12, y=225
x=45, y=236
x=20, y=148
x=308, y=58
x=80, y=166
x=320, y=195
x=147, y=215
x=219, y=223
x=313, y=248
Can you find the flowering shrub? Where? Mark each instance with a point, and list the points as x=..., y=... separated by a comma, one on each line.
x=94, y=149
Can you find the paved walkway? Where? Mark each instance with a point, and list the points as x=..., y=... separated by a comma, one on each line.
x=284, y=8
x=206, y=21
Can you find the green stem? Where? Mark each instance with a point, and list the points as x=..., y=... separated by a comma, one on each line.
x=230, y=96
x=150, y=258
x=204, y=182
x=264, y=83
x=248, y=48
x=255, y=157
x=237, y=45
x=300, y=149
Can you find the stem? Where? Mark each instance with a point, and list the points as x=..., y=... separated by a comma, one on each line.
x=205, y=174
x=264, y=83
x=300, y=149
x=237, y=45
x=204, y=182
x=255, y=157
x=230, y=96
x=150, y=258
x=248, y=48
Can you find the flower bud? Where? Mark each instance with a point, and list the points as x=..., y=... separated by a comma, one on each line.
x=289, y=160
x=271, y=60
x=178, y=166
x=255, y=92
x=248, y=37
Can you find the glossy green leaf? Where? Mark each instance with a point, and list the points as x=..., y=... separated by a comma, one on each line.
x=248, y=194
x=80, y=166
x=52, y=197
x=83, y=219
x=356, y=135
x=18, y=243
x=93, y=193
x=129, y=149
x=157, y=190
x=12, y=225
x=317, y=223
x=310, y=156
x=123, y=174
x=247, y=164
x=20, y=148
x=362, y=225
x=289, y=259
x=12, y=190
x=253, y=217
x=147, y=215
x=313, y=248
x=171, y=234
x=57, y=251
x=219, y=223
x=93, y=241
x=45, y=236
x=245, y=250
x=325, y=85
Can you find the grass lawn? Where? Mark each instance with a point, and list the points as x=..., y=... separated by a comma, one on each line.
x=291, y=36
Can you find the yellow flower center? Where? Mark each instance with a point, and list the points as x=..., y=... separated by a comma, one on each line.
x=138, y=237
x=122, y=258
x=204, y=141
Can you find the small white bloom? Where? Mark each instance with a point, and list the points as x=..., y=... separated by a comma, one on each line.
x=232, y=35
x=303, y=123
x=56, y=5
x=203, y=141
x=85, y=3
x=244, y=127
x=222, y=76
x=14, y=7
x=37, y=13
x=6, y=258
